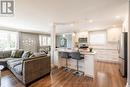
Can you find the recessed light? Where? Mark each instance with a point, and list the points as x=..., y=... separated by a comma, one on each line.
x=73, y=34
x=72, y=25
x=113, y=25
x=64, y=35
x=91, y=21
x=117, y=17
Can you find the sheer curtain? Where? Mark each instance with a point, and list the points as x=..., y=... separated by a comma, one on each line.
x=29, y=41
x=8, y=40
x=44, y=40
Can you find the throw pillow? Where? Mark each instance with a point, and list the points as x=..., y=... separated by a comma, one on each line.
x=13, y=53
x=40, y=54
x=19, y=53
x=26, y=54
x=44, y=51
x=32, y=56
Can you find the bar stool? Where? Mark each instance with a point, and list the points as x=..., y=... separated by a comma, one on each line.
x=66, y=56
x=77, y=56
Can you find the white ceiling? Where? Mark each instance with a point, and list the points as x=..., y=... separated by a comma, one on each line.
x=38, y=15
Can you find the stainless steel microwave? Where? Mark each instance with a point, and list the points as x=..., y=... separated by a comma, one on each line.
x=82, y=40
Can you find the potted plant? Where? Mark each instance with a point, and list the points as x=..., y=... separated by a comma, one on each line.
x=90, y=49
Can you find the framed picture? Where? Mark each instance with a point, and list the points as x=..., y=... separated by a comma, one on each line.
x=63, y=42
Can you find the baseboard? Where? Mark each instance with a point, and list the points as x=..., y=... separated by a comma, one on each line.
x=53, y=66
x=107, y=61
x=91, y=76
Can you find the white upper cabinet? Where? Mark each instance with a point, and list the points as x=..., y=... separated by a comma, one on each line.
x=125, y=26
x=81, y=35
x=113, y=34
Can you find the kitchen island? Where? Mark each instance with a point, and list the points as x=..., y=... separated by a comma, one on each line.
x=86, y=65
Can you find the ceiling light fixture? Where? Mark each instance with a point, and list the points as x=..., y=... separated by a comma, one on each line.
x=72, y=25
x=73, y=34
x=90, y=21
x=114, y=26
x=64, y=35
x=117, y=17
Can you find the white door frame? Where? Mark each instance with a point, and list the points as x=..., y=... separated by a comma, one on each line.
x=128, y=68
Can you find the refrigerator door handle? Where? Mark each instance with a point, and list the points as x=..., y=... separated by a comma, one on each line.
x=118, y=46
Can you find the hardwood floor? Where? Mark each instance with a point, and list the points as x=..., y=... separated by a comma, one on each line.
x=107, y=75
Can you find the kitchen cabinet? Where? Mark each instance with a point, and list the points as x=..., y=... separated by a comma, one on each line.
x=107, y=55
x=113, y=34
x=81, y=35
x=86, y=65
x=89, y=65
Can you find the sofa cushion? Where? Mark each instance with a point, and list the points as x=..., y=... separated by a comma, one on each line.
x=5, y=59
x=6, y=54
x=15, y=60
x=1, y=54
x=18, y=69
x=12, y=63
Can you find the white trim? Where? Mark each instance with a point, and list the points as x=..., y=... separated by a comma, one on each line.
x=53, y=34
x=91, y=76
x=128, y=68
x=107, y=61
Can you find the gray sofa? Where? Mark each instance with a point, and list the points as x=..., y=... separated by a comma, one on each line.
x=4, y=57
x=26, y=70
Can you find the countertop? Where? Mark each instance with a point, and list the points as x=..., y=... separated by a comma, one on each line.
x=72, y=50
x=88, y=53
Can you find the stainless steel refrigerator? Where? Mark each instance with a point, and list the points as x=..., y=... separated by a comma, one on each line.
x=123, y=54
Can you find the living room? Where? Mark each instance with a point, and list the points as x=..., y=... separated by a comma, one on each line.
x=64, y=43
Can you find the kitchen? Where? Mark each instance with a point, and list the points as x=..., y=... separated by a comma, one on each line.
x=97, y=45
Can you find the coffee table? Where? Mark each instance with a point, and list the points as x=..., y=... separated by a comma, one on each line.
x=1, y=68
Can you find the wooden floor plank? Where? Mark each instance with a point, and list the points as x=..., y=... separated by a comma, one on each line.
x=107, y=75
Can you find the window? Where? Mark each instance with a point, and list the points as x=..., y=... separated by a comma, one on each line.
x=8, y=40
x=97, y=37
x=45, y=40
